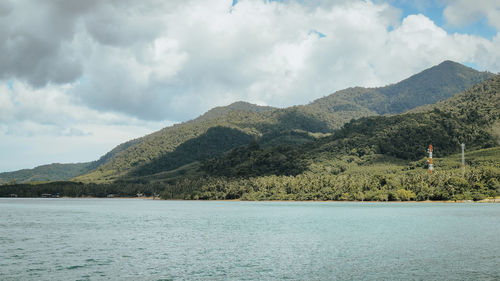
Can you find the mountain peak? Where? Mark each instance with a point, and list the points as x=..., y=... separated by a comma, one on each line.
x=431, y=85
x=238, y=105
x=450, y=62
x=452, y=65
x=243, y=105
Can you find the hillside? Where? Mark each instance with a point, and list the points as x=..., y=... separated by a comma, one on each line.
x=471, y=117
x=220, y=111
x=50, y=172
x=242, y=118
x=199, y=139
x=58, y=171
x=378, y=158
x=373, y=158
x=162, y=150
x=427, y=87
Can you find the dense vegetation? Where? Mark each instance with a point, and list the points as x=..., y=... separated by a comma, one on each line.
x=250, y=152
x=348, y=166
x=213, y=142
x=49, y=172
x=277, y=126
x=427, y=87
x=364, y=182
x=59, y=172
x=370, y=178
x=78, y=189
x=173, y=147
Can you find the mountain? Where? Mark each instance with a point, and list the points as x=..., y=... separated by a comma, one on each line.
x=427, y=87
x=471, y=117
x=58, y=171
x=376, y=158
x=240, y=119
x=50, y=172
x=224, y=128
x=372, y=158
x=220, y=111
x=172, y=147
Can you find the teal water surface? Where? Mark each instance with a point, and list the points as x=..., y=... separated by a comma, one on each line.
x=132, y=239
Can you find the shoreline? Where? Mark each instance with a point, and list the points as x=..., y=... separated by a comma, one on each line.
x=488, y=200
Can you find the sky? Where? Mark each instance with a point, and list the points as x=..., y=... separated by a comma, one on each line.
x=79, y=77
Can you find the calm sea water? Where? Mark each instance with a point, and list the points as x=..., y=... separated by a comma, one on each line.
x=120, y=239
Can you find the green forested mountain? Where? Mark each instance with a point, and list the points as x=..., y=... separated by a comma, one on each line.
x=373, y=158
x=380, y=158
x=471, y=117
x=220, y=111
x=191, y=141
x=152, y=150
x=427, y=87
x=50, y=172
x=58, y=171
x=224, y=128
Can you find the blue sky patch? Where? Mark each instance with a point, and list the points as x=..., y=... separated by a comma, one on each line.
x=471, y=64
x=434, y=10
x=321, y=35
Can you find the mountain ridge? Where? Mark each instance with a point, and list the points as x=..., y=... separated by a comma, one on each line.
x=272, y=126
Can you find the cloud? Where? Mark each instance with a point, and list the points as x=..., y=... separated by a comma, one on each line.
x=462, y=12
x=28, y=151
x=38, y=47
x=75, y=67
x=156, y=61
x=45, y=125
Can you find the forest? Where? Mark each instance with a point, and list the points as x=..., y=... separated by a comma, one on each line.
x=367, y=178
x=293, y=154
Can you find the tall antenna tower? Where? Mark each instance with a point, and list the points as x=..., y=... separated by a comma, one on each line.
x=463, y=158
x=431, y=164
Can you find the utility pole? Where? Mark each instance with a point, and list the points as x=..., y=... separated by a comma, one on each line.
x=431, y=164
x=463, y=159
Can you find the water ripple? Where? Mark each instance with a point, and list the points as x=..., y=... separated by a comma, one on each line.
x=75, y=239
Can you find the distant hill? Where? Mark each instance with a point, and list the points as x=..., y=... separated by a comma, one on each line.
x=58, y=171
x=224, y=128
x=50, y=172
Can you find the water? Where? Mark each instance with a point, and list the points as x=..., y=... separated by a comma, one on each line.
x=121, y=239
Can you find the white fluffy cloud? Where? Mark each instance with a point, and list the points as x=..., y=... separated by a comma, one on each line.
x=172, y=61
x=45, y=125
x=461, y=12
x=75, y=67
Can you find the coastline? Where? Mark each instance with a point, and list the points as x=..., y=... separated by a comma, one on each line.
x=488, y=200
